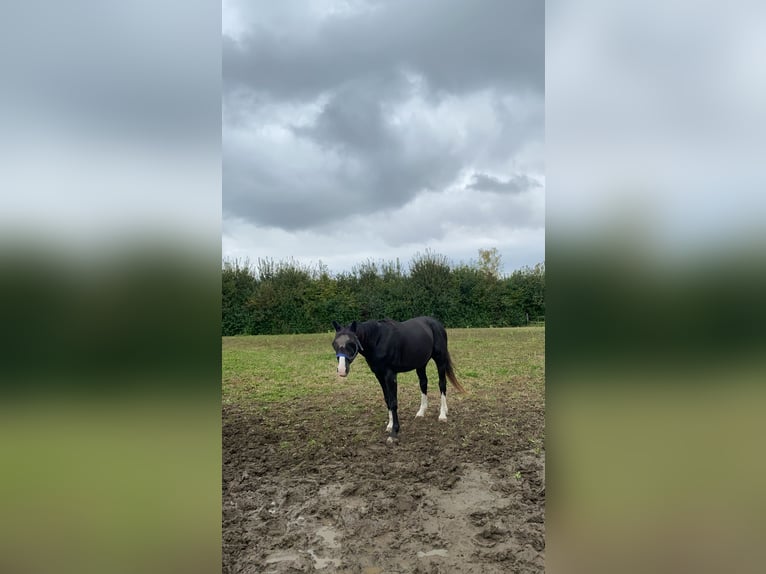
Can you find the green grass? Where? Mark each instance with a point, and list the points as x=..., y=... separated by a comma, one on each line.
x=104, y=487
x=263, y=369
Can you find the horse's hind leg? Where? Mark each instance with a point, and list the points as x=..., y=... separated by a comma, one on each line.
x=423, y=391
x=441, y=367
x=441, y=358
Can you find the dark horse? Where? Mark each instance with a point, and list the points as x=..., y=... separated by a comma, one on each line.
x=391, y=347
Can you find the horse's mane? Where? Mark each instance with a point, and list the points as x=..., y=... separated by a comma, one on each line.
x=370, y=332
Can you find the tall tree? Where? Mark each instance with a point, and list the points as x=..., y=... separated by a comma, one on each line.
x=489, y=262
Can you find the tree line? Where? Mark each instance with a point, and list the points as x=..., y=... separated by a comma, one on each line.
x=280, y=297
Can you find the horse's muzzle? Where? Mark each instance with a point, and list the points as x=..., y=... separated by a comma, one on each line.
x=343, y=367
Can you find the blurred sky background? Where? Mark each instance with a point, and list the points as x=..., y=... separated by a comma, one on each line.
x=110, y=133
x=656, y=123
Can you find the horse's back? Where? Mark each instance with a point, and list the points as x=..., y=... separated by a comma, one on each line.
x=418, y=330
x=415, y=342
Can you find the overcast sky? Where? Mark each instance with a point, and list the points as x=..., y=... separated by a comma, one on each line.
x=375, y=130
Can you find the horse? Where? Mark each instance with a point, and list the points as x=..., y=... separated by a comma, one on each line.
x=391, y=347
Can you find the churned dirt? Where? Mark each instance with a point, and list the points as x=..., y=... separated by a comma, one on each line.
x=311, y=485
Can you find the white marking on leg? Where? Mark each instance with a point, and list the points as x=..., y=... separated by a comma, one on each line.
x=342, y=370
x=443, y=411
x=423, y=405
x=390, y=421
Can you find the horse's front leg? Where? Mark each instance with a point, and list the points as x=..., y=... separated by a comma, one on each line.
x=392, y=406
x=384, y=386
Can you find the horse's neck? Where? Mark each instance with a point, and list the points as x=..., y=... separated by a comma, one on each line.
x=367, y=333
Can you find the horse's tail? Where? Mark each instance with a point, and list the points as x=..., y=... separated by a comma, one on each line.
x=440, y=336
x=451, y=375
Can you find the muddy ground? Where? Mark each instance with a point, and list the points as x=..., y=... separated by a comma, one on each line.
x=311, y=484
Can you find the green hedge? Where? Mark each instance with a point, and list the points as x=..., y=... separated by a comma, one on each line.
x=278, y=297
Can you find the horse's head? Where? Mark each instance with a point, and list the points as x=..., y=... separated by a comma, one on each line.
x=346, y=345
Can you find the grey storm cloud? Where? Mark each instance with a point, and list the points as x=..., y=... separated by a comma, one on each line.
x=358, y=113
x=518, y=183
x=458, y=46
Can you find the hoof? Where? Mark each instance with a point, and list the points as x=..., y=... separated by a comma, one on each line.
x=419, y=415
x=392, y=440
x=443, y=419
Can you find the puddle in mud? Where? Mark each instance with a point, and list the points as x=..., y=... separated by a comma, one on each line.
x=329, y=536
x=275, y=558
x=435, y=552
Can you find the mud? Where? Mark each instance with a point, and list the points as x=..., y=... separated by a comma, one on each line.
x=312, y=486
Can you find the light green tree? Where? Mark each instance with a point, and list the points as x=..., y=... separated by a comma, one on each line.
x=489, y=262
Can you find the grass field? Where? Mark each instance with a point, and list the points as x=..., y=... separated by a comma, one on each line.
x=309, y=483
x=262, y=369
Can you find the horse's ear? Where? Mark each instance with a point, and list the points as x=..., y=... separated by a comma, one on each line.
x=353, y=326
x=337, y=327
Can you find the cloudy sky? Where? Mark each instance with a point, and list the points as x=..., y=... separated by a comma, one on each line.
x=357, y=130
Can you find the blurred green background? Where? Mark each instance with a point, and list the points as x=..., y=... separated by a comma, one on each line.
x=655, y=409
x=110, y=409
